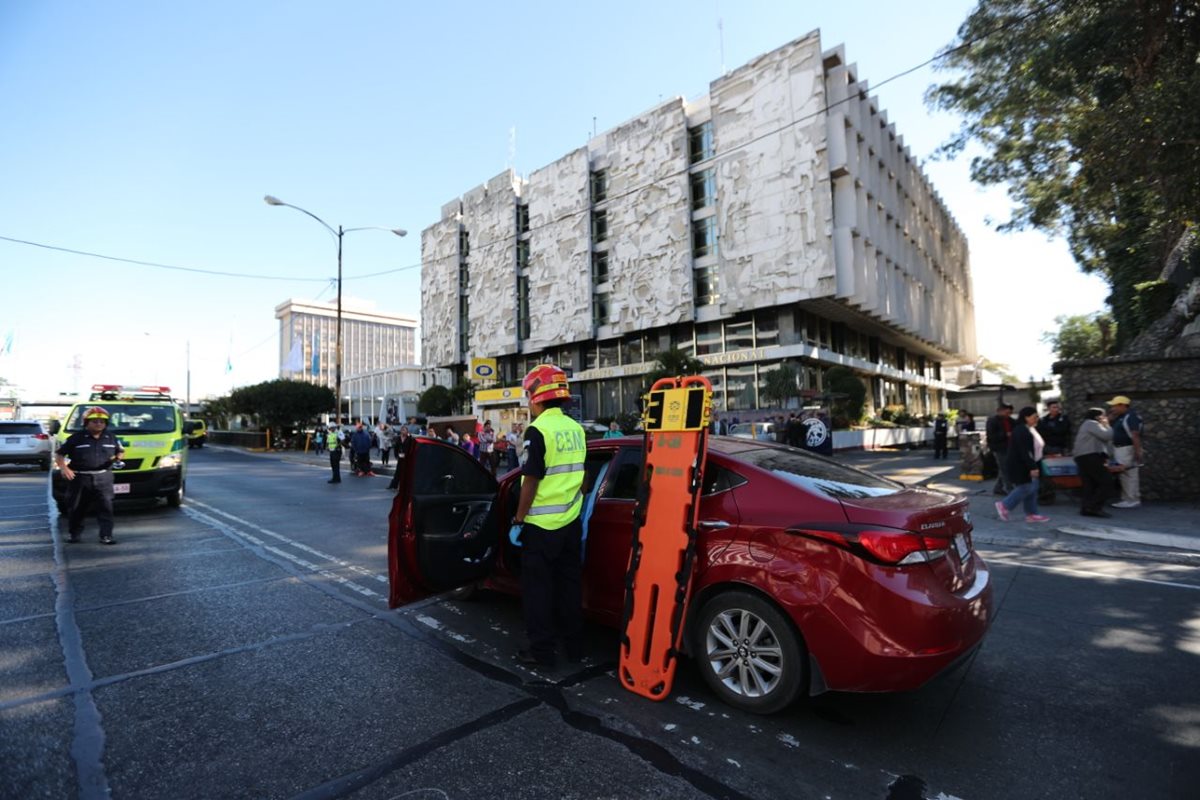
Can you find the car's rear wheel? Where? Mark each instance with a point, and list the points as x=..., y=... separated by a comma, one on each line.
x=749, y=653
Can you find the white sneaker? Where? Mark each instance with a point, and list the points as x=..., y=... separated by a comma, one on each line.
x=1127, y=504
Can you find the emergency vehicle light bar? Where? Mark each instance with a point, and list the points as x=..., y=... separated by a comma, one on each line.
x=110, y=391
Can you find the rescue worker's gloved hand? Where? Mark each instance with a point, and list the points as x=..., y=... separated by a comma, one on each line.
x=514, y=534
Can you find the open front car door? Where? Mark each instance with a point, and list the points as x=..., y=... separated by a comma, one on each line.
x=443, y=530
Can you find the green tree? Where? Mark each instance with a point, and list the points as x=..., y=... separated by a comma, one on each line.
x=673, y=363
x=435, y=401
x=847, y=395
x=780, y=385
x=1087, y=114
x=461, y=396
x=1081, y=336
x=281, y=404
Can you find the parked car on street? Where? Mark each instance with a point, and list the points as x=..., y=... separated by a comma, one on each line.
x=764, y=431
x=810, y=575
x=196, y=431
x=25, y=441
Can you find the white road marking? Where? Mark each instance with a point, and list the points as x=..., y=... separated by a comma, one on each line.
x=293, y=543
x=1177, y=541
x=1087, y=573
x=237, y=534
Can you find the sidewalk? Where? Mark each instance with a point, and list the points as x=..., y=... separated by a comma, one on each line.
x=1159, y=531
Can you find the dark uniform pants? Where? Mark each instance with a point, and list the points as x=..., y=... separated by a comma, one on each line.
x=335, y=463
x=85, y=491
x=552, y=588
x=1096, y=479
x=940, y=450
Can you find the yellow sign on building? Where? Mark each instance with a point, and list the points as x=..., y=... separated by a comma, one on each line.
x=483, y=370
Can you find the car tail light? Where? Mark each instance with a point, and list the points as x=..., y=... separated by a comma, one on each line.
x=902, y=548
x=897, y=547
x=42, y=436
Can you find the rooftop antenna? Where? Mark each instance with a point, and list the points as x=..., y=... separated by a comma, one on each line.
x=593, y=126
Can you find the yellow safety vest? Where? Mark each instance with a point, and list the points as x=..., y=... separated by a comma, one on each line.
x=559, y=497
x=332, y=441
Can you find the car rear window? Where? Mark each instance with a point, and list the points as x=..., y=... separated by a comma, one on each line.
x=816, y=474
x=20, y=428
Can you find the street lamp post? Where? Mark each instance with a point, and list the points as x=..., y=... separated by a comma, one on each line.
x=337, y=234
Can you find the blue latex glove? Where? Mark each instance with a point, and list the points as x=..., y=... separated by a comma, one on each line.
x=514, y=535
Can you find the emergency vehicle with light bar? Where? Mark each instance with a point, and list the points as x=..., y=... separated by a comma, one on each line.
x=149, y=424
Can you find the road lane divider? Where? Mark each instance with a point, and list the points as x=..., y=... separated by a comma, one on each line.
x=236, y=534
x=363, y=571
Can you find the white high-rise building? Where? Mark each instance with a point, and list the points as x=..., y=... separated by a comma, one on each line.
x=779, y=219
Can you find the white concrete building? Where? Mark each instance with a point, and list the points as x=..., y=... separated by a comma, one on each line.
x=378, y=352
x=779, y=219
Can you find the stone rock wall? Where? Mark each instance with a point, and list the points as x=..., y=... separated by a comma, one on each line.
x=1166, y=393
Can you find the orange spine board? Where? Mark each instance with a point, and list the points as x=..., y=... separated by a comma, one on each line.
x=659, y=577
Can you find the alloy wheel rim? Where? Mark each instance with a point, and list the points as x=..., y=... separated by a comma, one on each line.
x=744, y=653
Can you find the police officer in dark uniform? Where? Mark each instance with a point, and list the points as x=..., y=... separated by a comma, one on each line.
x=89, y=477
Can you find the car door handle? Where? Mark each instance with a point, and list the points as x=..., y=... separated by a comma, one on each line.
x=712, y=524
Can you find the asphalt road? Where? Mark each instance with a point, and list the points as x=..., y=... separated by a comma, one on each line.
x=241, y=647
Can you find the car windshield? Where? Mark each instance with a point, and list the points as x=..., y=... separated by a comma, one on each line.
x=816, y=474
x=130, y=418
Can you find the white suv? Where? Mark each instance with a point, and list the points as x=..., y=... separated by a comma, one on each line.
x=24, y=441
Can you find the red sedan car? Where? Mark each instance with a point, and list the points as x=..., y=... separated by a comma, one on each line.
x=810, y=575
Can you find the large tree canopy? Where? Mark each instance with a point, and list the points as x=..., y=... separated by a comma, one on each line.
x=282, y=404
x=1087, y=110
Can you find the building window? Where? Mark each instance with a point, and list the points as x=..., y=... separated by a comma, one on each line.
x=610, y=351
x=704, y=188
x=600, y=310
x=464, y=324
x=766, y=328
x=522, y=307
x=700, y=142
x=599, y=226
x=464, y=243
x=739, y=335
x=708, y=338
x=740, y=387
x=599, y=267
x=599, y=186
x=704, y=237
x=631, y=349
x=522, y=253
x=522, y=218
x=706, y=286
x=587, y=356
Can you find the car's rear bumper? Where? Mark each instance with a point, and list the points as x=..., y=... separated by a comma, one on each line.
x=910, y=633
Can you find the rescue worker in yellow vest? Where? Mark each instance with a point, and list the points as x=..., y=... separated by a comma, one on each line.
x=546, y=525
x=333, y=442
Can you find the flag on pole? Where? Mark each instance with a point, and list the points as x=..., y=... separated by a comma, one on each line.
x=295, y=359
x=228, y=364
x=316, y=353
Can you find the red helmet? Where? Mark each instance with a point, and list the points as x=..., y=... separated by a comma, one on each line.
x=545, y=382
x=95, y=412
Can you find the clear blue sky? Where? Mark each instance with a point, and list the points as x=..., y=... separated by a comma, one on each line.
x=151, y=131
